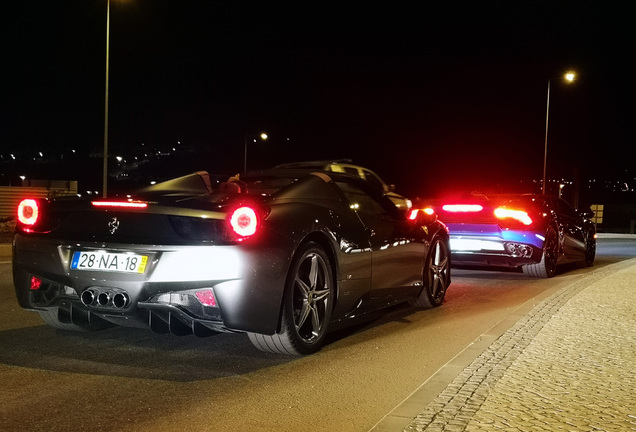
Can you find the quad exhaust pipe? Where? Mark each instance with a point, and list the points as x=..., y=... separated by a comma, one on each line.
x=92, y=297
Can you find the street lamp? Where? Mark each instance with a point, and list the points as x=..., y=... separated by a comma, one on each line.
x=569, y=77
x=262, y=136
x=105, y=167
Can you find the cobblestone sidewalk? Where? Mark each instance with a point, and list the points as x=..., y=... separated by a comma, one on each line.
x=569, y=364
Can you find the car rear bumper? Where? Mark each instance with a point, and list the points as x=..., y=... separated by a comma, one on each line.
x=164, y=297
x=506, y=250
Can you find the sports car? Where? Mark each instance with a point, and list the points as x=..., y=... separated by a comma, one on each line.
x=533, y=232
x=281, y=255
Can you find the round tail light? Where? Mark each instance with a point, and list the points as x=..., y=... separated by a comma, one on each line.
x=28, y=212
x=244, y=221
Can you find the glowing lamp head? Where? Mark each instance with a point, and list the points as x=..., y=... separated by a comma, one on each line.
x=244, y=221
x=206, y=297
x=519, y=215
x=413, y=213
x=462, y=208
x=28, y=212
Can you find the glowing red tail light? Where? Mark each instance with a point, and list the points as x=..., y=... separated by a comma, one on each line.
x=123, y=204
x=28, y=212
x=463, y=208
x=413, y=213
x=519, y=215
x=36, y=283
x=206, y=297
x=244, y=221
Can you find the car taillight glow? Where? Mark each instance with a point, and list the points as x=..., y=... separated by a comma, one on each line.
x=244, y=221
x=520, y=215
x=36, y=283
x=413, y=213
x=206, y=297
x=465, y=208
x=28, y=212
x=125, y=204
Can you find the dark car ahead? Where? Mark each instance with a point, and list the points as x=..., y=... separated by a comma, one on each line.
x=281, y=255
x=534, y=232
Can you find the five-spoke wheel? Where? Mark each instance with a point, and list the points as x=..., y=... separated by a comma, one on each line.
x=436, y=276
x=307, y=307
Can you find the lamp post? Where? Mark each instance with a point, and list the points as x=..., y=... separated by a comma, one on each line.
x=105, y=166
x=569, y=77
x=262, y=136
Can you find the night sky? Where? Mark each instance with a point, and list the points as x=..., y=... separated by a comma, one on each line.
x=427, y=96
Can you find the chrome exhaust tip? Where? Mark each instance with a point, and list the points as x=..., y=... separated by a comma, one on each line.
x=88, y=297
x=121, y=300
x=103, y=299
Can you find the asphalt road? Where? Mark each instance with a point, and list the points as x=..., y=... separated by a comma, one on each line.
x=134, y=380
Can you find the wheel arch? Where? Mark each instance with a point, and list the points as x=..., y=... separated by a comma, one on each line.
x=324, y=241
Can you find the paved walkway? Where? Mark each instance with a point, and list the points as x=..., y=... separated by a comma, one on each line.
x=567, y=365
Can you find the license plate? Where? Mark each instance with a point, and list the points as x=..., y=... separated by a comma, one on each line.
x=108, y=261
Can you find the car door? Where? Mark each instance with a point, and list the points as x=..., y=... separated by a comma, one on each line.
x=572, y=228
x=398, y=252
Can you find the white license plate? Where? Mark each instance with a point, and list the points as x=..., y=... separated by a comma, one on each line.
x=107, y=261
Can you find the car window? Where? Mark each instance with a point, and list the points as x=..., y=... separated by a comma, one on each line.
x=565, y=209
x=265, y=185
x=363, y=202
x=373, y=179
x=352, y=171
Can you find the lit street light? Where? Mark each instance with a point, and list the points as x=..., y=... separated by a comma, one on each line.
x=569, y=77
x=105, y=168
x=262, y=136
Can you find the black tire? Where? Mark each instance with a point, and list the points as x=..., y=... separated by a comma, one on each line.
x=546, y=268
x=436, y=276
x=590, y=247
x=307, y=305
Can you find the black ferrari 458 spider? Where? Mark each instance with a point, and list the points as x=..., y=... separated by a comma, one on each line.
x=281, y=255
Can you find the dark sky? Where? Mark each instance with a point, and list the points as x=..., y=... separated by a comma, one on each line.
x=424, y=95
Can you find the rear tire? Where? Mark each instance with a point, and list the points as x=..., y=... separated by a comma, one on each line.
x=546, y=268
x=307, y=305
x=436, y=276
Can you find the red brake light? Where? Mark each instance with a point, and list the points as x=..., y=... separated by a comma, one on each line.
x=520, y=215
x=206, y=297
x=244, y=221
x=465, y=208
x=413, y=213
x=28, y=212
x=36, y=283
x=127, y=204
